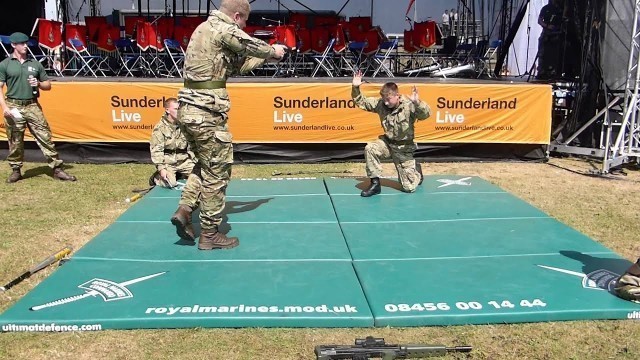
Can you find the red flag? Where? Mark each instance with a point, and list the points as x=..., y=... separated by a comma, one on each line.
x=409, y=7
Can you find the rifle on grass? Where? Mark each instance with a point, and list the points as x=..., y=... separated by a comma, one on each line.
x=376, y=348
x=43, y=264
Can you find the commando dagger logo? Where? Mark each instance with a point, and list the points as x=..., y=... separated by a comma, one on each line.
x=600, y=279
x=107, y=289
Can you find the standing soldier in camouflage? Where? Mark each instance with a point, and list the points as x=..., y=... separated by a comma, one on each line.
x=24, y=77
x=398, y=115
x=174, y=160
x=217, y=50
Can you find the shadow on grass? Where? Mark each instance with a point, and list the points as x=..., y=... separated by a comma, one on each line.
x=41, y=170
x=37, y=171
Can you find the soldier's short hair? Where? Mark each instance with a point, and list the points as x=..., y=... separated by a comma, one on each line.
x=231, y=7
x=389, y=88
x=169, y=101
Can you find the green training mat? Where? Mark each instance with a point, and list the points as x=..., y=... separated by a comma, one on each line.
x=314, y=253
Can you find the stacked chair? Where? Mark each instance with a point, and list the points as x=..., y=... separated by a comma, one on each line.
x=138, y=48
x=319, y=46
x=46, y=48
x=419, y=43
x=80, y=62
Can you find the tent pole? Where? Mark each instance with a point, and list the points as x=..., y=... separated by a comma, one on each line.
x=342, y=8
x=305, y=6
x=473, y=18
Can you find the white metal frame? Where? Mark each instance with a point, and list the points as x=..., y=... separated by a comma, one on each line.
x=626, y=147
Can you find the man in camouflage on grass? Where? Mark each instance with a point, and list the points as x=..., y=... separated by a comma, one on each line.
x=628, y=285
x=173, y=159
x=398, y=115
x=217, y=50
x=24, y=77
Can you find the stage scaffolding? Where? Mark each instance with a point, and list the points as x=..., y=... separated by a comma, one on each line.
x=626, y=147
x=620, y=136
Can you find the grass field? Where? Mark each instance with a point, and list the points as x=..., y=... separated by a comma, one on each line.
x=40, y=216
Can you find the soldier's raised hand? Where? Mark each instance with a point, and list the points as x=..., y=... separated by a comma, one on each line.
x=357, y=78
x=414, y=94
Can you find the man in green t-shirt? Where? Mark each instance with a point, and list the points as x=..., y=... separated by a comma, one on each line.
x=24, y=78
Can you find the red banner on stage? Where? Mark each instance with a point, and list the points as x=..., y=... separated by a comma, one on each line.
x=93, y=24
x=424, y=34
x=183, y=34
x=131, y=24
x=107, y=36
x=78, y=32
x=143, y=39
x=151, y=36
x=49, y=34
x=191, y=21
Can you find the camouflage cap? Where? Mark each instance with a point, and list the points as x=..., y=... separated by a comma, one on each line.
x=18, y=37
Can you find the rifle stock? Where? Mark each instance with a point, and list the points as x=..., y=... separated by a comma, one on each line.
x=371, y=348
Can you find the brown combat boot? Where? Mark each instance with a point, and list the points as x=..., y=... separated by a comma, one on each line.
x=15, y=176
x=212, y=239
x=181, y=219
x=59, y=174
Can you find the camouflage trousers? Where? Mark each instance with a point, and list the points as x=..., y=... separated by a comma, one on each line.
x=32, y=118
x=184, y=169
x=628, y=285
x=210, y=140
x=402, y=155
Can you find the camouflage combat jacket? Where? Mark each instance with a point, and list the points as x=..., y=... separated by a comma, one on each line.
x=217, y=50
x=397, y=123
x=168, y=145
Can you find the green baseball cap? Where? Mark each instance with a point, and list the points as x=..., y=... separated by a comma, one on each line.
x=18, y=37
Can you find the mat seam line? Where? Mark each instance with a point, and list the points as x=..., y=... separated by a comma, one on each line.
x=478, y=256
x=355, y=272
x=89, y=258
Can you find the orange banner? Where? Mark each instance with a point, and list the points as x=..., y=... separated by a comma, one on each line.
x=304, y=112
